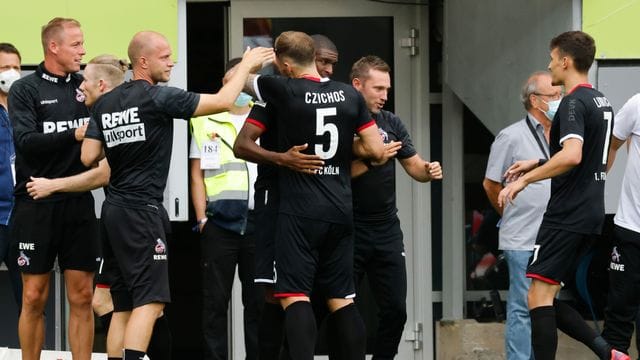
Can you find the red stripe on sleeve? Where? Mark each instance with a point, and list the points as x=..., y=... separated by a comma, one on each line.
x=256, y=123
x=369, y=124
x=103, y=286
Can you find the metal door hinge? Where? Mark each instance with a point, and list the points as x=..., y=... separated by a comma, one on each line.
x=411, y=42
x=415, y=335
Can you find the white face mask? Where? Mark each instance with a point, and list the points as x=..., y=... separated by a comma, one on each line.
x=553, y=108
x=7, y=78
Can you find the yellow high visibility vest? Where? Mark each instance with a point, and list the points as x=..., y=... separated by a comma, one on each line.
x=231, y=180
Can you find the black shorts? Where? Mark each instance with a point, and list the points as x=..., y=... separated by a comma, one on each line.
x=308, y=250
x=138, y=241
x=556, y=254
x=266, y=215
x=106, y=263
x=66, y=228
x=625, y=254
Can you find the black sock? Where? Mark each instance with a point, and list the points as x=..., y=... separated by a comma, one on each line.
x=160, y=342
x=129, y=354
x=570, y=322
x=544, y=335
x=270, y=331
x=105, y=321
x=300, y=326
x=348, y=333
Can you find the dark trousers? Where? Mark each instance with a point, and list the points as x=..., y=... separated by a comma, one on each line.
x=624, y=288
x=9, y=256
x=379, y=252
x=222, y=250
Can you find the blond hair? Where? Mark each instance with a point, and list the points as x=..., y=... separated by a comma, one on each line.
x=53, y=29
x=110, y=69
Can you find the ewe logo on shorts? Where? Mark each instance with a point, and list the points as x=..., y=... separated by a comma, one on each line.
x=23, y=260
x=122, y=127
x=161, y=250
x=615, y=260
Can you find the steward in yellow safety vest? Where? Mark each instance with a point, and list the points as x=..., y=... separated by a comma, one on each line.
x=227, y=181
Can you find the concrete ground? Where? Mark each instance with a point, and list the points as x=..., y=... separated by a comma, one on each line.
x=471, y=340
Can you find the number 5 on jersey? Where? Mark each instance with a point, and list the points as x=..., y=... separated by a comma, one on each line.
x=322, y=128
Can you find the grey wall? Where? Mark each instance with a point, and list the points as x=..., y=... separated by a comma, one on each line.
x=493, y=45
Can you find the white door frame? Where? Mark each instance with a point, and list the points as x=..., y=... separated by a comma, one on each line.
x=411, y=88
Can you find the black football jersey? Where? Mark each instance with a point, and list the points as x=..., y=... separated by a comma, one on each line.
x=577, y=196
x=374, y=192
x=45, y=110
x=135, y=123
x=324, y=114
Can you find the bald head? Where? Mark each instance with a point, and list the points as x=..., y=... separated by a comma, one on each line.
x=143, y=43
x=150, y=56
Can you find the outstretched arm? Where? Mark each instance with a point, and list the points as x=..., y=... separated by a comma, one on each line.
x=251, y=61
x=563, y=161
x=39, y=188
x=422, y=170
x=245, y=147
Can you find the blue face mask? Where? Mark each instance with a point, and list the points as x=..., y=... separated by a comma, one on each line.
x=242, y=100
x=553, y=108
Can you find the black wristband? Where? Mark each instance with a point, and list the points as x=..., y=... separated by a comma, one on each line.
x=541, y=162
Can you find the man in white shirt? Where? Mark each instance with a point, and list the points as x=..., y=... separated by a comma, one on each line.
x=624, y=269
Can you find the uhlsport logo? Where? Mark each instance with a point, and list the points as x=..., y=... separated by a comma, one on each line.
x=23, y=260
x=161, y=250
x=79, y=96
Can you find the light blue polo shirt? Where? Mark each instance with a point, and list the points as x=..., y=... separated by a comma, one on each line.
x=521, y=219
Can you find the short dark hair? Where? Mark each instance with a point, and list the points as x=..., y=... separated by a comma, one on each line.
x=297, y=46
x=231, y=63
x=10, y=49
x=578, y=45
x=360, y=68
x=322, y=42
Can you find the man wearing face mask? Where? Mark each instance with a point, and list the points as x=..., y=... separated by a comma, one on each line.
x=526, y=139
x=9, y=72
x=222, y=193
